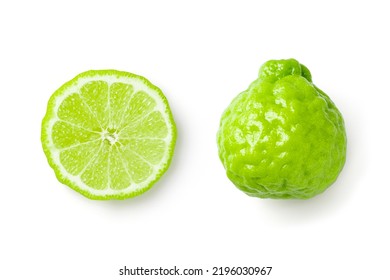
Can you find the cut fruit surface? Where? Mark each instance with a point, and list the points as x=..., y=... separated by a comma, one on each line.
x=108, y=134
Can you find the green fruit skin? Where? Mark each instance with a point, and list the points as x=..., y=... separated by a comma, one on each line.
x=282, y=137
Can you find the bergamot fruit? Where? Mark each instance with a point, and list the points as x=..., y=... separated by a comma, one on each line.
x=283, y=137
x=108, y=134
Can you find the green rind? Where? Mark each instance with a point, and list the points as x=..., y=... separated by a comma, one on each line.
x=50, y=114
x=265, y=182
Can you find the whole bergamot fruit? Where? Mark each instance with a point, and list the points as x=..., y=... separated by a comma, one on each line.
x=283, y=137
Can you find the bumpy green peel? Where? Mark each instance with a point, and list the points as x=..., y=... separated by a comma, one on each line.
x=282, y=137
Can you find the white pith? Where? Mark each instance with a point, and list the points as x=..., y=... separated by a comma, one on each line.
x=112, y=138
x=138, y=85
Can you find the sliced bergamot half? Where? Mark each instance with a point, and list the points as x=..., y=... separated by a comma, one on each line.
x=108, y=134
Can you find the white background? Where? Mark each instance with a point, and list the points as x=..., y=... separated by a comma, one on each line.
x=201, y=54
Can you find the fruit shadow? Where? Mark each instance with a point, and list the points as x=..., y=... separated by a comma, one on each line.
x=295, y=211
